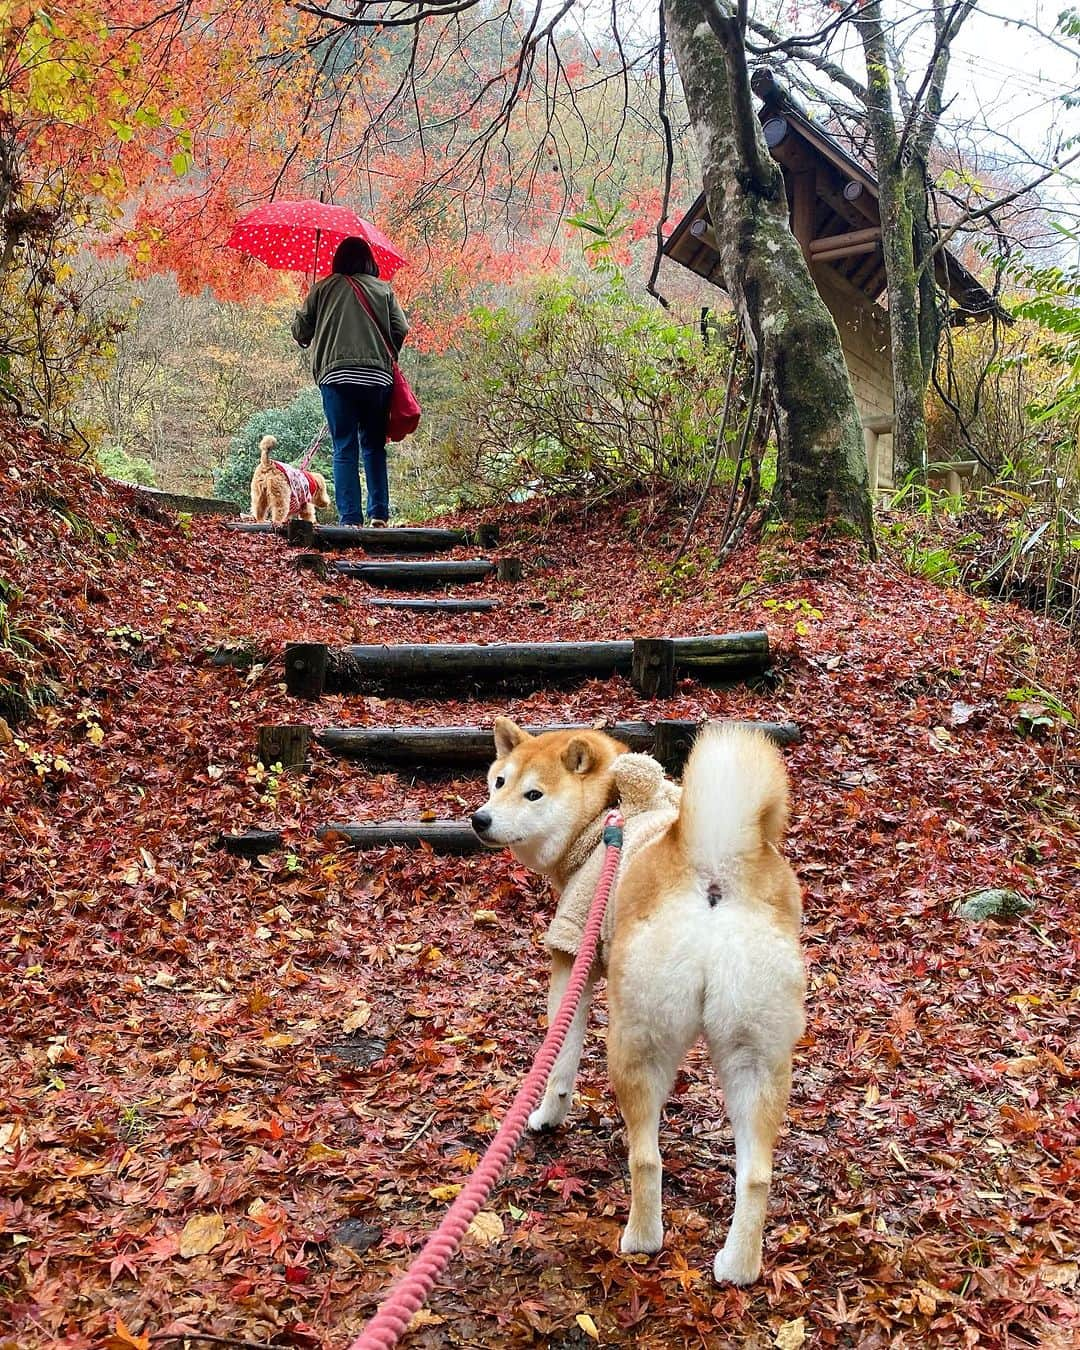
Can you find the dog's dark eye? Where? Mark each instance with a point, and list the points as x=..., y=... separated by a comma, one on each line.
x=499, y=782
x=533, y=795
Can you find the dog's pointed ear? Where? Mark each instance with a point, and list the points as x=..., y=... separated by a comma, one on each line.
x=507, y=735
x=578, y=756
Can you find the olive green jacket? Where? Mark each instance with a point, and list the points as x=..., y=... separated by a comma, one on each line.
x=339, y=331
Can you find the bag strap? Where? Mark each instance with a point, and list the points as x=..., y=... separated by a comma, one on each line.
x=358, y=291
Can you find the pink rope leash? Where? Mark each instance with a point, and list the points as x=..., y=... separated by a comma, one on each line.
x=396, y=1312
x=309, y=453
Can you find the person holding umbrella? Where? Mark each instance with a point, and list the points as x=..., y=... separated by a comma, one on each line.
x=354, y=326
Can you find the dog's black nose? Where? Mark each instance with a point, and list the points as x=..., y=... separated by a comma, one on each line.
x=481, y=822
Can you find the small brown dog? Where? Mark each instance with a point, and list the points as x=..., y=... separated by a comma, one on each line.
x=280, y=491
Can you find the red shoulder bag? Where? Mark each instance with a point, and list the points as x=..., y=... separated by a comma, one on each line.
x=404, y=414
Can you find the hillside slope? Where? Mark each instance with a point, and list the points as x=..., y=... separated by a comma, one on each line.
x=181, y=1144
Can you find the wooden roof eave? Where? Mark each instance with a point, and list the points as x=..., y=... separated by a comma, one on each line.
x=972, y=299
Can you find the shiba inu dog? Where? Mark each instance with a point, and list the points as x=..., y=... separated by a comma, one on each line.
x=701, y=939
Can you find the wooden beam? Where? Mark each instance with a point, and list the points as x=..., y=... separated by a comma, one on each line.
x=284, y=745
x=702, y=232
x=803, y=206
x=418, y=575
x=861, y=273
x=832, y=255
x=880, y=423
x=394, y=539
x=857, y=211
x=422, y=605
x=461, y=745
x=833, y=241
x=444, y=836
x=652, y=670
x=432, y=663
x=305, y=668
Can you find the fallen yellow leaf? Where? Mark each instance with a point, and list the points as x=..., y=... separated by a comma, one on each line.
x=359, y=1017
x=485, y=1229
x=320, y=1152
x=424, y=1317
x=444, y=1193
x=791, y=1335
x=202, y=1234
x=588, y=1326
x=1059, y=1274
x=485, y=918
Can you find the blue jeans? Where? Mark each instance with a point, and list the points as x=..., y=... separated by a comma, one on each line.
x=356, y=416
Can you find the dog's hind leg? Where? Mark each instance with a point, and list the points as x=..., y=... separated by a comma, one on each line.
x=755, y=1093
x=641, y=1087
x=278, y=493
x=559, y=1092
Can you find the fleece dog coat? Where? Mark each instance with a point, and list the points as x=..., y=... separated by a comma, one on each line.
x=649, y=803
x=302, y=486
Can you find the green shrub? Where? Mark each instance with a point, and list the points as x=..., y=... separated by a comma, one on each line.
x=579, y=388
x=295, y=427
x=115, y=462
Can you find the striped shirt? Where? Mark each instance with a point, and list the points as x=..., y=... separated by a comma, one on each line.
x=367, y=376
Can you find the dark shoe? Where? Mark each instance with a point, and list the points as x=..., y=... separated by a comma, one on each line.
x=377, y=524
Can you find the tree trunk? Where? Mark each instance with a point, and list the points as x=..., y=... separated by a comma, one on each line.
x=909, y=382
x=903, y=205
x=821, y=461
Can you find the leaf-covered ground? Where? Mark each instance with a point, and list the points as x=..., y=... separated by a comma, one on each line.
x=235, y=1096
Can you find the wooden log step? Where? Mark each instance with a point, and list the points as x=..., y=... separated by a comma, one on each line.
x=471, y=745
x=444, y=836
x=251, y=843
x=424, y=605
x=312, y=669
x=419, y=575
x=253, y=527
x=403, y=539
x=393, y=539
x=740, y=653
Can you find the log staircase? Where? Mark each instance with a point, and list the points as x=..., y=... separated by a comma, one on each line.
x=652, y=666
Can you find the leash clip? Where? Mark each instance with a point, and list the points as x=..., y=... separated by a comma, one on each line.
x=613, y=829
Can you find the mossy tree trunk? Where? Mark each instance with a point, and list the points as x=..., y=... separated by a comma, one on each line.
x=821, y=466
x=901, y=154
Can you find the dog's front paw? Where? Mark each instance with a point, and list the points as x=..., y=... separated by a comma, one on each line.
x=642, y=1237
x=732, y=1267
x=550, y=1114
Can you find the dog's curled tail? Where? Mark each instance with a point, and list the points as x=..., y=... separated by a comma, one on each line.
x=734, y=798
x=267, y=444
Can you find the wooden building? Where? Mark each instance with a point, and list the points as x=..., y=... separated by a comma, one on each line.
x=833, y=201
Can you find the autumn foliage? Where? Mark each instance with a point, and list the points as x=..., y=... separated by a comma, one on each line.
x=234, y=1097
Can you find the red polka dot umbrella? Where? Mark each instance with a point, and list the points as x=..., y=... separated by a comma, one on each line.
x=302, y=236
